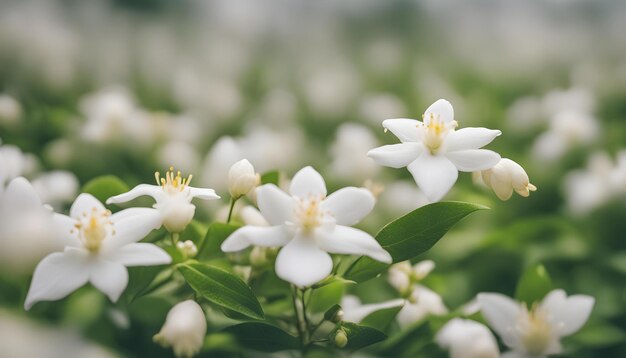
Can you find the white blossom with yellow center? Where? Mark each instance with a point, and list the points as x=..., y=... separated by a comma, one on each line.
x=434, y=151
x=173, y=197
x=309, y=225
x=535, y=332
x=98, y=248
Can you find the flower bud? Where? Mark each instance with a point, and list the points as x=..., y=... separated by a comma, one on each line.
x=187, y=248
x=507, y=176
x=341, y=338
x=241, y=178
x=184, y=329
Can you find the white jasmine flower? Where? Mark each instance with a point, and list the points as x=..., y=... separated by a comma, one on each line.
x=355, y=311
x=507, y=176
x=184, y=329
x=465, y=338
x=349, y=151
x=434, y=152
x=241, y=178
x=536, y=331
x=309, y=225
x=403, y=276
x=98, y=247
x=421, y=303
x=173, y=197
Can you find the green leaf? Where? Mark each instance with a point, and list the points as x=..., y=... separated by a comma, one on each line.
x=599, y=334
x=412, y=235
x=361, y=336
x=330, y=314
x=263, y=337
x=195, y=232
x=324, y=298
x=215, y=235
x=222, y=288
x=271, y=177
x=140, y=278
x=381, y=319
x=408, y=342
x=534, y=284
x=105, y=186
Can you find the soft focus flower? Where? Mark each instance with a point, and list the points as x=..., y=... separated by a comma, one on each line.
x=309, y=225
x=355, y=311
x=402, y=196
x=184, y=329
x=10, y=110
x=434, y=152
x=14, y=163
x=179, y=154
x=536, y=331
x=241, y=178
x=173, y=197
x=403, y=276
x=507, y=176
x=98, y=247
x=421, y=303
x=349, y=153
x=465, y=338
x=56, y=187
x=567, y=130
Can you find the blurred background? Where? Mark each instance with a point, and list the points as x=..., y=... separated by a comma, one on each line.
x=89, y=88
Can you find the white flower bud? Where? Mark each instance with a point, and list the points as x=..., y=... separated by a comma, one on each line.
x=187, y=248
x=341, y=338
x=241, y=178
x=184, y=329
x=507, y=176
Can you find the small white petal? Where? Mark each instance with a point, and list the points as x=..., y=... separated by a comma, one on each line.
x=354, y=311
x=140, y=254
x=56, y=276
x=302, y=263
x=85, y=203
x=307, y=182
x=154, y=191
x=133, y=228
x=349, y=205
x=131, y=212
x=567, y=314
x=470, y=138
x=427, y=302
x=435, y=175
x=473, y=159
x=266, y=236
x=65, y=230
x=403, y=128
x=275, y=205
x=20, y=195
x=396, y=155
x=111, y=278
x=203, y=193
x=441, y=108
x=501, y=313
x=351, y=241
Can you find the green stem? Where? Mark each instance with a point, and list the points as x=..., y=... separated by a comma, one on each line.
x=175, y=238
x=304, y=315
x=294, y=300
x=230, y=211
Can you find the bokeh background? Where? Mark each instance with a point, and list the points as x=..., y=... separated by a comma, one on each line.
x=89, y=88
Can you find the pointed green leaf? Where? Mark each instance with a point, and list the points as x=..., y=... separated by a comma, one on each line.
x=361, y=336
x=534, y=284
x=271, y=177
x=262, y=337
x=215, y=235
x=381, y=319
x=105, y=186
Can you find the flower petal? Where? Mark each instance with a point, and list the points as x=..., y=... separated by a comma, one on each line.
x=396, y=155
x=20, y=195
x=56, y=276
x=133, y=228
x=501, y=313
x=154, y=191
x=472, y=160
x=435, y=175
x=568, y=314
x=355, y=312
x=351, y=241
x=266, y=236
x=302, y=263
x=140, y=254
x=349, y=205
x=470, y=138
x=403, y=128
x=131, y=212
x=65, y=230
x=275, y=205
x=85, y=203
x=307, y=182
x=203, y=193
x=111, y=278
x=442, y=109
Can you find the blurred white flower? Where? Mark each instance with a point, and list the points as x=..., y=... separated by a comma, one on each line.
x=25, y=228
x=567, y=130
x=434, y=152
x=525, y=114
x=178, y=154
x=15, y=163
x=536, y=331
x=173, y=197
x=507, y=176
x=403, y=276
x=330, y=89
x=422, y=303
x=184, y=329
x=355, y=311
x=241, y=179
x=98, y=247
x=576, y=99
x=10, y=110
x=381, y=105
x=349, y=150
x=400, y=197
x=224, y=153
x=465, y=338
x=56, y=187
x=309, y=225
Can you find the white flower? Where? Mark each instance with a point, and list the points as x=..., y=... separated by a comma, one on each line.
x=10, y=110
x=537, y=331
x=422, y=303
x=402, y=196
x=507, y=176
x=56, y=187
x=403, y=276
x=349, y=153
x=184, y=329
x=98, y=247
x=434, y=152
x=241, y=178
x=568, y=129
x=14, y=163
x=354, y=311
x=173, y=197
x=465, y=338
x=309, y=225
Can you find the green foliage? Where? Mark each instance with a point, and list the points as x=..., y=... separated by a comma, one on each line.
x=222, y=288
x=215, y=235
x=271, y=177
x=381, y=319
x=104, y=187
x=534, y=284
x=263, y=337
x=361, y=336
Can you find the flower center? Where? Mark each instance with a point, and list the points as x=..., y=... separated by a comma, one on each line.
x=535, y=329
x=93, y=227
x=436, y=130
x=172, y=184
x=308, y=213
